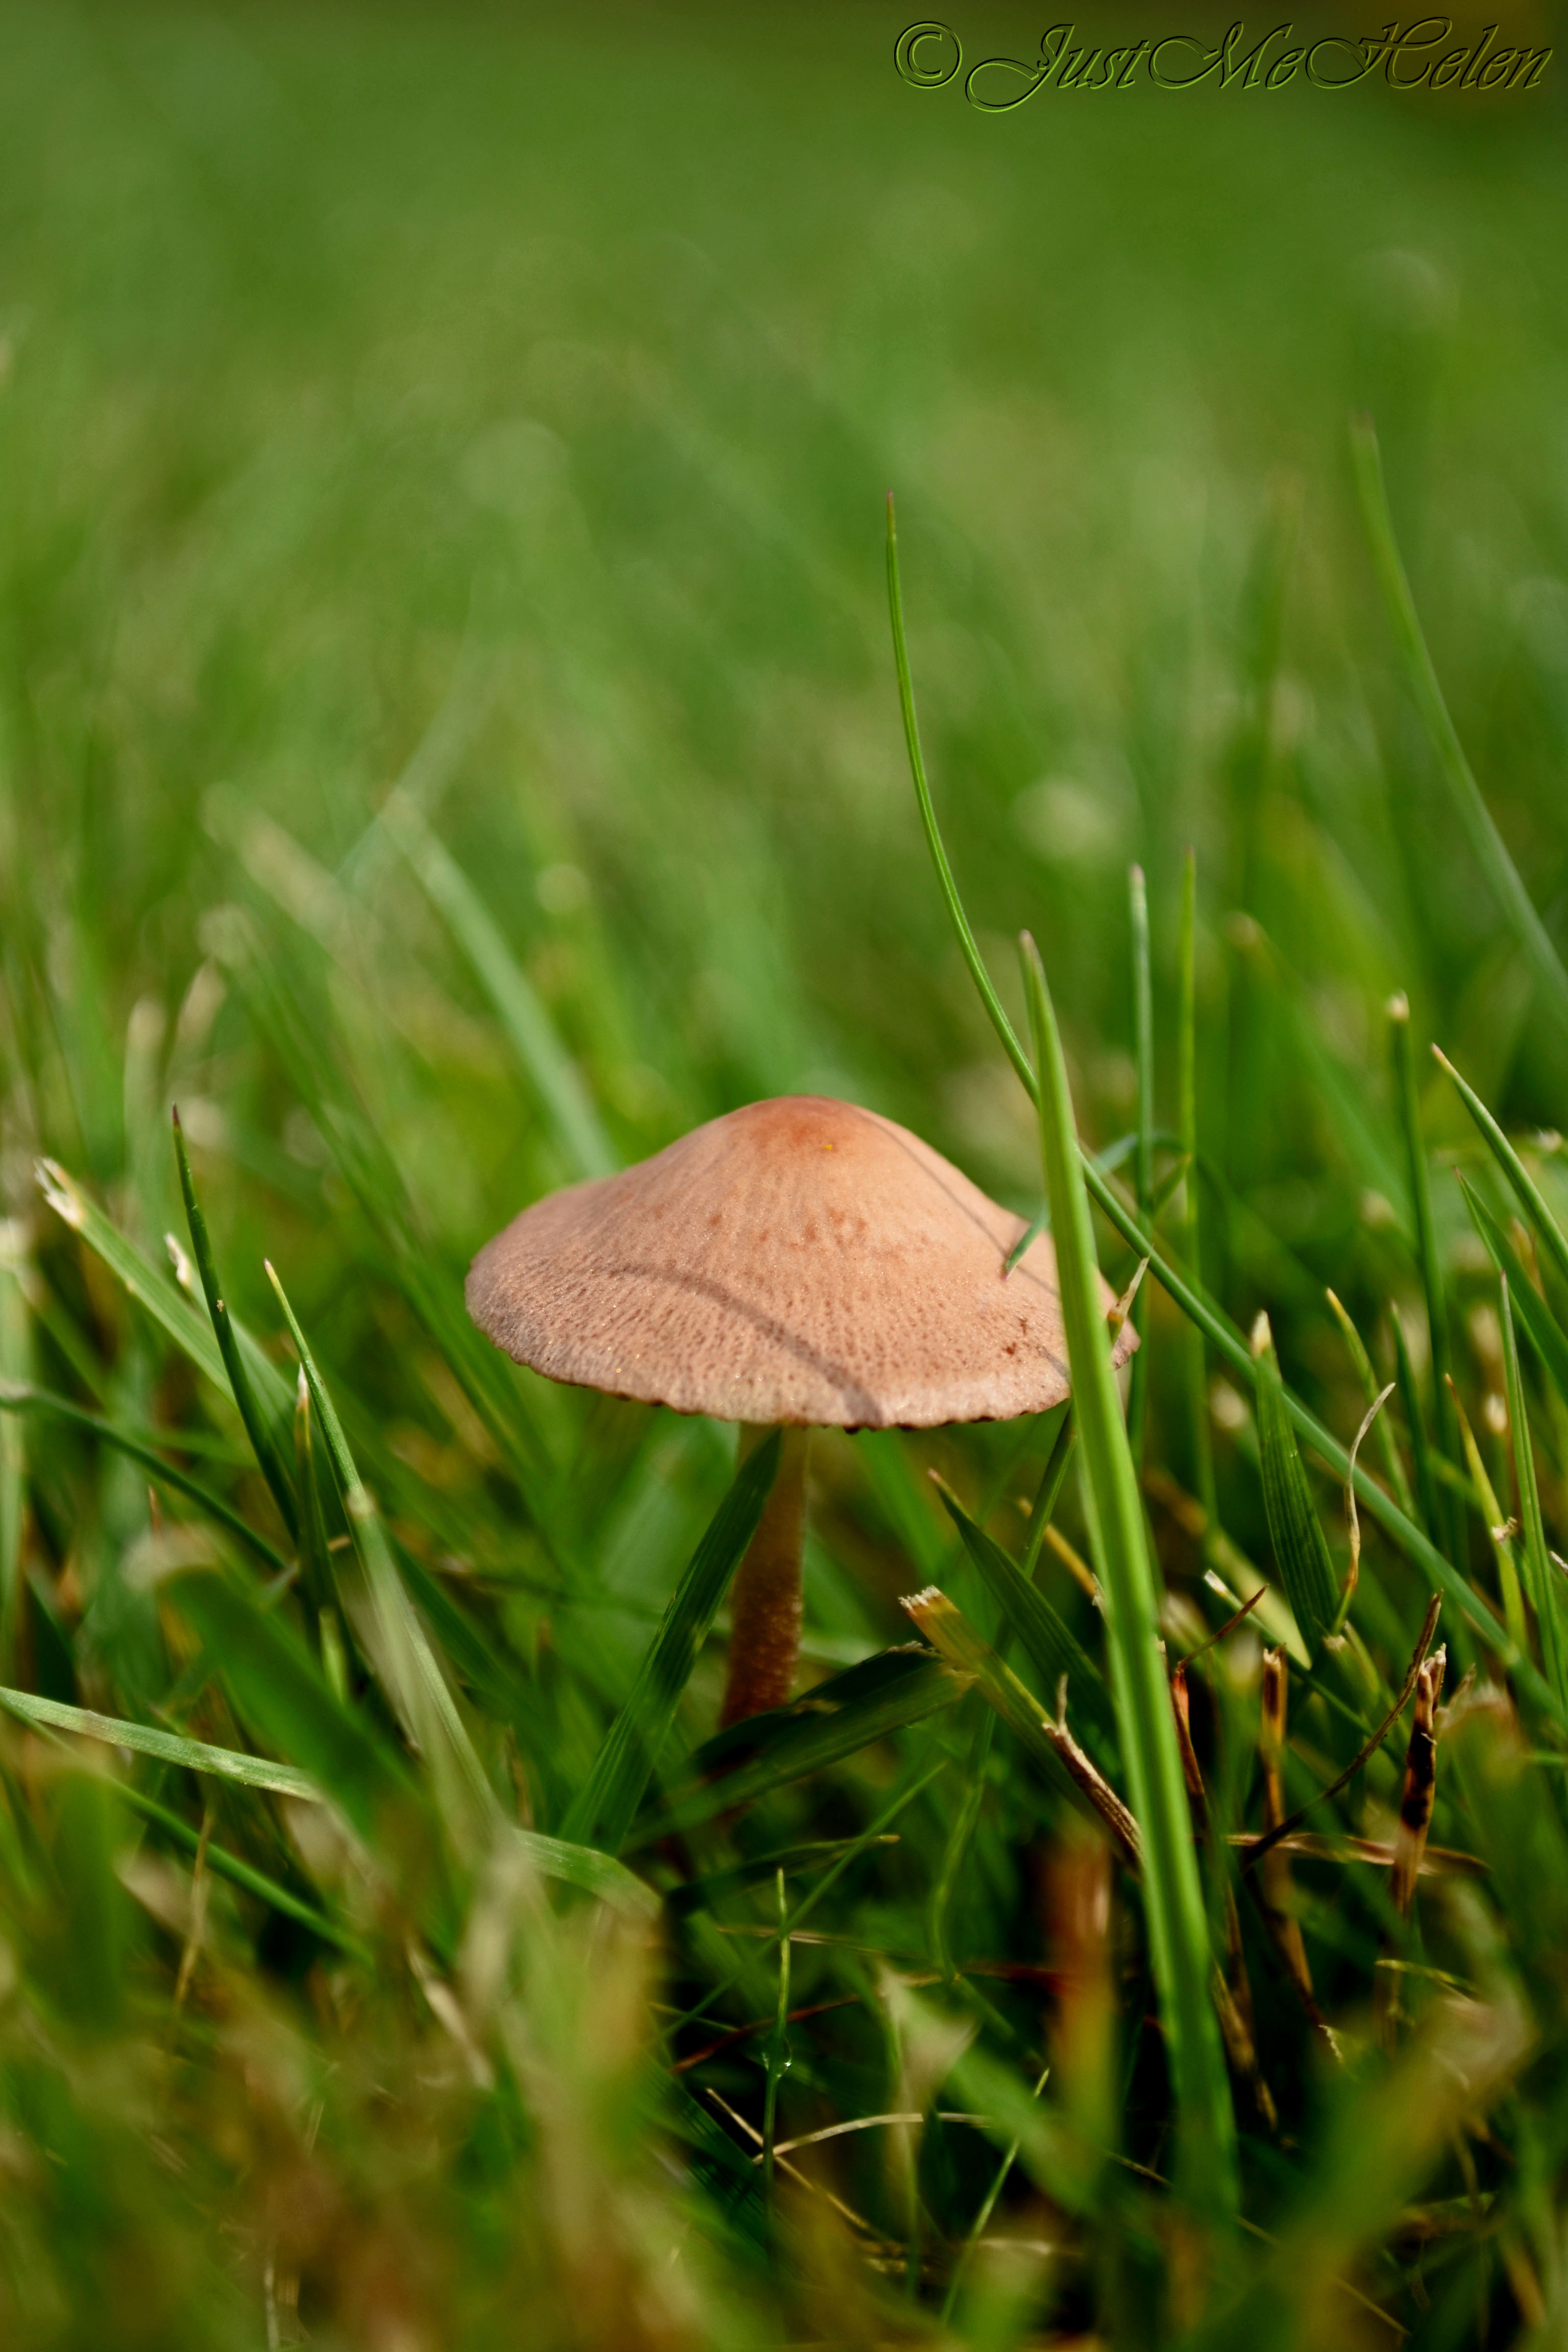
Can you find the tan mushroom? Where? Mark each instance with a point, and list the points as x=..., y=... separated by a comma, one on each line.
x=798, y=1262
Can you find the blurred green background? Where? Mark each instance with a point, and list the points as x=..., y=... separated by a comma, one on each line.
x=502, y=402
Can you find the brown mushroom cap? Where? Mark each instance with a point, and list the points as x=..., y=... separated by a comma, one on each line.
x=800, y=1260
x=791, y=1262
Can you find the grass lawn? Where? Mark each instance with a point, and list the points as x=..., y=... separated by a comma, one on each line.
x=450, y=747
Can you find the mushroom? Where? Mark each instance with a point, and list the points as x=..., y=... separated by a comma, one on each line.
x=800, y=1262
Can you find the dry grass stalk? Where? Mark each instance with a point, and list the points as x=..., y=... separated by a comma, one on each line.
x=1420, y=1789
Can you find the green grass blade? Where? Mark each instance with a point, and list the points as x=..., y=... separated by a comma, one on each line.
x=1494, y=1516
x=1143, y=1157
x=16, y=1366
x=579, y=1130
x=1449, y=1527
x=1528, y=1193
x=1052, y=1480
x=1202, y=1436
x=1295, y=1531
x=1195, y=1303
x=239, y=1872
x=193, y=1755
x=177, y=1316
x=1546, y=1332
x=1049, y=1644
x=607, y=1804
x=57, y=1408
x=1371, y=1388
x=1415, y=1421
x=1487, y=845
x=917, y=1686
x=1539, y=1574
x=263, y=1440
x=416, y=1686
x=1173, y=1895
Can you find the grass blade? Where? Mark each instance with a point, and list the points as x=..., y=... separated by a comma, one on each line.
x=554, y=1076
x=418, y=1689
x=42, y=1401
x=1551, y=1342
x=1187, y=1136
x=168, y=1747
x=263, y=1440
x=1050, y=1645
x=1531, y=1199
x=1215, y=1326
x=1295, y=1531
x=607, y=1804
x=1492, y=1511
x=15, y=1364
x=1143, y=1157
x=1449, y=1527
x=1538, y=1573
x=1372, y=1388
x=1487, y=845
x=1178, y=1928
x=181, y=1320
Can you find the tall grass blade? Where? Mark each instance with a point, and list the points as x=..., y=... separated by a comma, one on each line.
x=1415, y=1421
x=579, y=1130
x=417, y=1686
x=1492, y=1510
x=607, y=1804
x=1143, y=1156
x=1548, y=1232
x=1178, y=1928
x=1551, y=1340
x=263, y=1438
x=1449, y=1527
x=1487, y=845
x=1539, y=1574
x=1306, y=1570
x=1211, y=1319
x=1201, y=1438
x=16, y=1366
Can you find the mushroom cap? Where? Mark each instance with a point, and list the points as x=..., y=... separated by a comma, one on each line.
x=799, y=1260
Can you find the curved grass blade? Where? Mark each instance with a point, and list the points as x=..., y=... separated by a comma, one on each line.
x=1487, y=845
x=263, y=1440
x=607, y=1804
x=1173, y=1896
x=1371, y=1385
x=178, y=1316
x=578, y=1128
x=1537, y=1566
x=417, y=1687
x=1449, y=1525
x=57, y=1407
x=1492, y=1510
x=1295, y=1531
x=1551, y=1342
x=168, y=1747
x=1049, y=1644
x=1189, y=1295
x=1528, y=1193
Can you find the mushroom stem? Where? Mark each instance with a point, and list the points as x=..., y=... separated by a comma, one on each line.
x=765, y=1598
